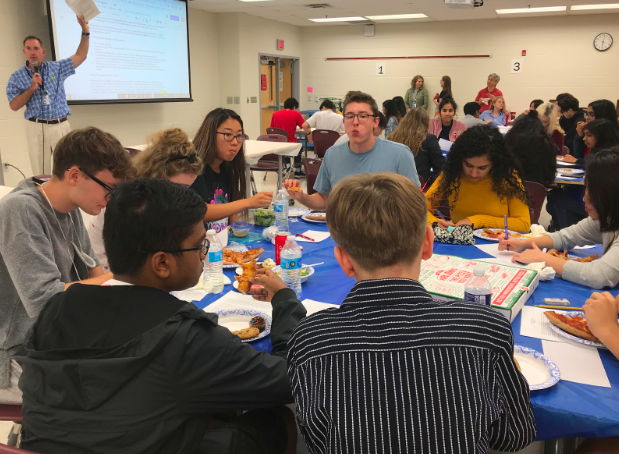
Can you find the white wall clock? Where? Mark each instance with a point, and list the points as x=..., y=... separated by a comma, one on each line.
x=603, y=41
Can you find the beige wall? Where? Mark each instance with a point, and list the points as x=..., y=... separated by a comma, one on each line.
x=131, y=123
x=560, y=58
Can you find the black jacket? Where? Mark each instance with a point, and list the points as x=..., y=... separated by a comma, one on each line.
x=128, y=369
x=429, y=158
x=569, y=126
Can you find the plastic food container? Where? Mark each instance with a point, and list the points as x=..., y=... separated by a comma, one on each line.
x=240, y=229
x=264, y=217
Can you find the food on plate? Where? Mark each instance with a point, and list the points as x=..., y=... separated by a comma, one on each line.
x=576, y=326
x=564, y=256
x=237, y=258
x=491, y=233
x=258, y=322
x=268, y=263
x=249, y=272
x=318, y=217
x=247, y=333
x=264, y=217
x=517, y=364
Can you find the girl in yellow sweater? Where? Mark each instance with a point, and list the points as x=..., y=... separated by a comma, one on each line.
x=480, y=183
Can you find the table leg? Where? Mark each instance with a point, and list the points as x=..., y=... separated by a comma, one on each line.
x=560, y=446
x=248, y=181
x=279, y=172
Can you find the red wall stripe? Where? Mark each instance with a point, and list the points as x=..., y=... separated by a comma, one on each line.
x=406, y=58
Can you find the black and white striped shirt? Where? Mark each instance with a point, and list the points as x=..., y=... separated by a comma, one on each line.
x=392, y=371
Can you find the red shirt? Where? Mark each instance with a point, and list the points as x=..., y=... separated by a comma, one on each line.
x=288, y=120
x=483, y=93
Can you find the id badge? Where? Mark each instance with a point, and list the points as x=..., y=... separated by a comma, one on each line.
x=414, y=103
x=46, y=101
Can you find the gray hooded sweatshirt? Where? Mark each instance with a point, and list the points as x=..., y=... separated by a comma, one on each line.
x=38, y=249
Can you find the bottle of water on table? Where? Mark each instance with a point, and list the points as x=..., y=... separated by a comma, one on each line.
x=291, y=265
x=280, y=208
x=214, y=272
x=477, y=288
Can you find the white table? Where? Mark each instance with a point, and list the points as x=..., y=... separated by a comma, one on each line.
x=255, y=149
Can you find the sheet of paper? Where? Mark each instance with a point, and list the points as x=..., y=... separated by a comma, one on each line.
x=589, y=246
x=501, y=257
x=315, y=235
x=236, y=300
x=86, y=8
x=533, y=323
x=316, y=306
x=578, y=363
x=445, y=144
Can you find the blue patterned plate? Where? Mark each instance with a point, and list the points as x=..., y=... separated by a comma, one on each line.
x=569, y=336
x=539, y=371
x=479, y=233
x=236, y=319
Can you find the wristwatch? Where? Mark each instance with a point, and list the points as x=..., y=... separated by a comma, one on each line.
x=86, y=34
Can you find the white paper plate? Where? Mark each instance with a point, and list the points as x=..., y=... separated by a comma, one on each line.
x=304, y=217
x=296, y=212
x=277, y=270
x=567, y=335
x=479, y=233
x=576, y=173
x=236, y=319
x=539, y=370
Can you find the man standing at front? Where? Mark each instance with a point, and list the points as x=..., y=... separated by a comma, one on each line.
x=40, y=87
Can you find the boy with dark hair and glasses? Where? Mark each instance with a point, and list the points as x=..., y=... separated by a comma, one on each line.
x=44, y=247
x=128, y=367
x=363, y=153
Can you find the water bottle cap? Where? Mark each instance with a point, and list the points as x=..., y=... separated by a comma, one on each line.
x=211, y=232
x=479, y=272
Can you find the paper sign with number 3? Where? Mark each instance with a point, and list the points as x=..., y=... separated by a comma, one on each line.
x=516, y=67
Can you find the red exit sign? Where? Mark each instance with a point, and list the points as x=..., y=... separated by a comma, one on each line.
x=279, y=44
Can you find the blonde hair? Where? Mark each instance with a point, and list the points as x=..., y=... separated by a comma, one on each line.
x=169, y=153
x=550, y=110
x=504, y=110
x=412, y=129
x=360, y=215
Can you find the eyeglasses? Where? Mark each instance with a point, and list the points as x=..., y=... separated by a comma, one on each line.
x=100, y=183
x=228, y=136
x=362, y=117
x=206, y=245
x=590, y=114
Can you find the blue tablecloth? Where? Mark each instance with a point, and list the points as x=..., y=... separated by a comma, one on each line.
x=564, y=410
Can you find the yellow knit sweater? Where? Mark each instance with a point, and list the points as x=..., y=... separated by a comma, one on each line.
x=482, y=206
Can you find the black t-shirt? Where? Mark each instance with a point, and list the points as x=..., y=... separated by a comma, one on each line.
x=445, y=130
x=442, y=95
x=214, y=188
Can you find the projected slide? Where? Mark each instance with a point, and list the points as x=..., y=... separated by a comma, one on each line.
x=138, y=51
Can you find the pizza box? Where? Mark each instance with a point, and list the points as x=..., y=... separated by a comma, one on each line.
x=444, y=277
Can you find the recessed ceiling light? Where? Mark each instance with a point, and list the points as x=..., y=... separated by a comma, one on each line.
x=338, y=19
x=590, y=7
x=397, y=16
x=545, y=9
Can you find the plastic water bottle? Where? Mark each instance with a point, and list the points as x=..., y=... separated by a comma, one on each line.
x=291, y=257
x=477, y=288
x=214, y=275
x=281, y=211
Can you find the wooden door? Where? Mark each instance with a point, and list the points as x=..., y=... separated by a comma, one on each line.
x=286, y=81
x=268, y=92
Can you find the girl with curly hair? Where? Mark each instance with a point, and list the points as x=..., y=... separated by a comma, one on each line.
x=413, y=132
x=480, y=184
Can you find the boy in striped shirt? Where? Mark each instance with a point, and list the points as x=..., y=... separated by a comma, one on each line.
x=391, y=370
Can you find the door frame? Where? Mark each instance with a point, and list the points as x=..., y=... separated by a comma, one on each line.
x=296, y=80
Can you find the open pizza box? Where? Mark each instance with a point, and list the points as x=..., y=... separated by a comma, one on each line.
x=444, y=276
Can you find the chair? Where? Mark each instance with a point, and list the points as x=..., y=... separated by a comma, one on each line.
x=269, y=162
x=12, y=413
x=133, y=152
x=537, y=194
x=43, y=177
x=422, y=183
x=4, y=449
x=311, y=166
x=323, y=140
x=280, y=131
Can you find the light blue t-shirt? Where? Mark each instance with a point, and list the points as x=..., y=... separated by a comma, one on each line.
x=499, y=120
x=385, y=156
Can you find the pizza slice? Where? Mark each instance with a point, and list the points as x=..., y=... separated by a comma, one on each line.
x=249, y=271
x=295, y=188
x=577, y=326
x=565, y=257
x=492, y=233
x=238, y=258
